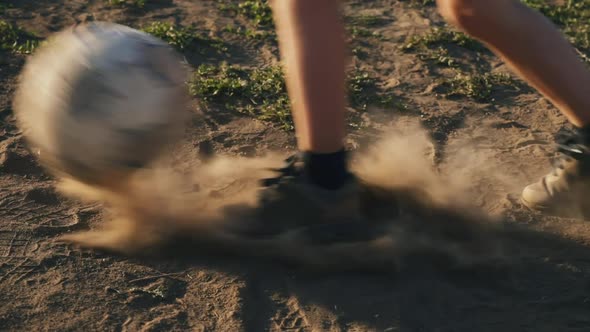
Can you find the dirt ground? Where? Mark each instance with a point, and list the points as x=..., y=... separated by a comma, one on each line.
x=497, y=145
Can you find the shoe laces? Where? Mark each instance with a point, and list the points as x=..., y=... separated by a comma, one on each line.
x=291, y=169
x=570, y=148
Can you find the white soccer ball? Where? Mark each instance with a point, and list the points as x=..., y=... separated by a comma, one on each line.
x=100, y=100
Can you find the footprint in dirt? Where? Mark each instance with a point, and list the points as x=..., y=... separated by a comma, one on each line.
x=149, y=294
x=43, y=195
x=41, y=209
x=15, y=159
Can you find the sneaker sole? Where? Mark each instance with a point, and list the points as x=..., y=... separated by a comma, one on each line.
x=348, y=232
x=555, y=212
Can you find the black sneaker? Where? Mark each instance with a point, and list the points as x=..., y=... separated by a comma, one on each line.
x=290, y=205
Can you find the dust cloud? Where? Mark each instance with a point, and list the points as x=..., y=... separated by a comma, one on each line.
x=425, y=214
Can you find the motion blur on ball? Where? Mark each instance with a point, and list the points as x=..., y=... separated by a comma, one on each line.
x=101, y=100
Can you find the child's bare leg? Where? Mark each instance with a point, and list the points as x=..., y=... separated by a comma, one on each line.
x=532, y=46
x=314, y=194
x=311, y=39
x=312, y=44
x=540, y=54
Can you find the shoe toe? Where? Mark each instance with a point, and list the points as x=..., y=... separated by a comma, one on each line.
x=535, y=196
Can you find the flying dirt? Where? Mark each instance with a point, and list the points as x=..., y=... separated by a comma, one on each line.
x=423, y=214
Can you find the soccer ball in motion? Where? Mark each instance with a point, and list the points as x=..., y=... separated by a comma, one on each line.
x=100, y=100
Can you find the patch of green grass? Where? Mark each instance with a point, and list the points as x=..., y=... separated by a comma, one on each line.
x=16, y=40
x=573, y=17
x=262, y=93
x=433, y=46
x=477, y=86
x=183, y=38
x=252, y=34
x=366, y=20
x=259, y=92
x=441, y=37
x=439, y=56
x=364, y=91
x=420, y=3
x=259, y=19
x=127, y=3
x=258, y=11
x=359, y=32
x=179, y=37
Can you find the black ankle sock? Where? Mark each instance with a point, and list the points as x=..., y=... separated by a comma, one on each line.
x=584, y=134
x=327, y=170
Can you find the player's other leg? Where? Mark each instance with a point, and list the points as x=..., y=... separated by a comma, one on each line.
x=314, y=190
x=536, y=50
